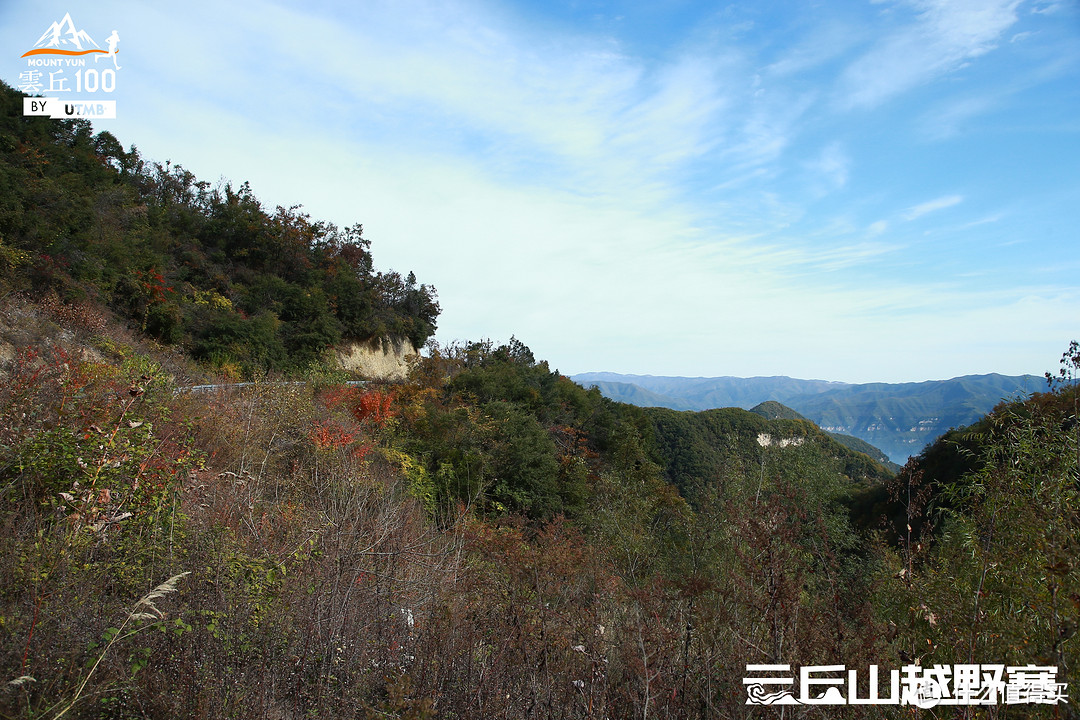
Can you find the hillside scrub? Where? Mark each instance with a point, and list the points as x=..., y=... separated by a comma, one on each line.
x=986, y=566
x=335, y=564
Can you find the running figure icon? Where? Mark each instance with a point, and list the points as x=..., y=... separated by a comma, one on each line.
x=111, y=41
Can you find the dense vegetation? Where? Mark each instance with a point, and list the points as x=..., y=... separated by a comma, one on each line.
x=205, y=268
x=896, y=418
x=485, y=539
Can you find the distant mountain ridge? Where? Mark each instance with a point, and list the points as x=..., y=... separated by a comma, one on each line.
x=898, y=418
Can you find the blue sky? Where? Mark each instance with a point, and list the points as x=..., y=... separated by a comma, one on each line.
x=857, y=191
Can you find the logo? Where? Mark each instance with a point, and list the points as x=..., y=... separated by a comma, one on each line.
x=915, y=685
x=57, y=68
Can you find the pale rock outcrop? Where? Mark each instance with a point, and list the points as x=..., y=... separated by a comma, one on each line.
x=378, y=359
x=765, y=440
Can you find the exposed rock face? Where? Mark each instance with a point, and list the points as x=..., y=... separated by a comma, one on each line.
x=378, y=359
x=765, y=440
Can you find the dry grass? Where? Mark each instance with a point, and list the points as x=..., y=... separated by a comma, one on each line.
x=316, y=582
x=144, y=610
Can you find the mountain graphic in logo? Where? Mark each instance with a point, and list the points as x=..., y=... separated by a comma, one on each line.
x=63, y=38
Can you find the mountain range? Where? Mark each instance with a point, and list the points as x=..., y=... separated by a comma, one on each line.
x=55, y=35
x=898, y=418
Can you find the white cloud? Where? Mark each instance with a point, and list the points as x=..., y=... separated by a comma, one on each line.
x=833, y=165
x=824, y=45
x=678, y=118
x=944, y=35
x=767, y=125
x=950, y=118
x=541, y=182
x=930, y=206
x=575, y=111
x=996, y=217
x=1049, y=8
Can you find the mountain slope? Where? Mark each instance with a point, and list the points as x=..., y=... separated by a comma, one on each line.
x=898, y=418
x=706, y=448
x=632, y=394
x=902, y=418
x=707, y=393
x=772, y=410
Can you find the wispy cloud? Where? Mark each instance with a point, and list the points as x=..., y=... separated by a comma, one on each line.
x=851, y=256
x=833, y=165
x=684, y=193
x=676, y=115
x=996, y=217
x=950, y=118
x=943, y=35
x=1049, y=8
x=917, y=211
x=577, y=111
x=766, y=126
x=824, y=45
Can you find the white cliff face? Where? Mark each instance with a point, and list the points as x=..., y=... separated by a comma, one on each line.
x=377, y=359
x=765, y=440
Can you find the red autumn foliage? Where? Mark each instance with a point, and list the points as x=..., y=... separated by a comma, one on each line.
x=373, y=406
x=336, y=396
x=369, y=407
x=329, y=435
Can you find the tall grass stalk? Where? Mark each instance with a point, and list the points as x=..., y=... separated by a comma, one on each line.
x=144, y=609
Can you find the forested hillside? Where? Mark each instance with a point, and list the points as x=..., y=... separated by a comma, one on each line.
x=204, y=268
x=773, y=410
x=899, y=418
x=484, y=539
